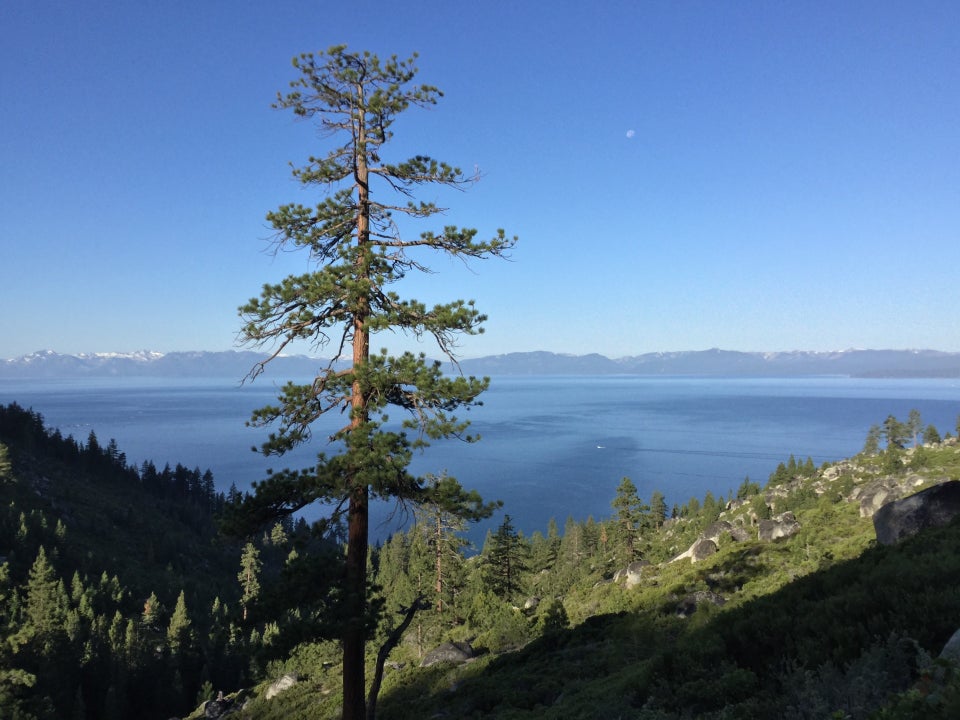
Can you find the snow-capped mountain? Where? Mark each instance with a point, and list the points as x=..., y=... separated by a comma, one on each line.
x=236, y=364
x=147, y=363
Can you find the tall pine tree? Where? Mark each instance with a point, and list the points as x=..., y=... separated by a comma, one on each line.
x=353, y=237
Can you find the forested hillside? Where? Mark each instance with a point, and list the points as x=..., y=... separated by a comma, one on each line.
x=775, y=601
x=119, y=598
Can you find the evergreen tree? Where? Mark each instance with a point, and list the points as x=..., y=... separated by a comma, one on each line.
x=914, y=425
x=541, y=557
x=895, y=432
x=47, y=653
x=184, y=654
x=711, y=509
x=249, y=576
x=553, y=539
x=6, y=466
x=658, y=508
x=355, y=242
x=45, y=611
x=780, y=475
x=591, y=536
x=931, y=436
x=444, y=515
x=871, y=445
x=571, y=544
x=747, y=489
x=152, y=612
x=93, y=445
x=278, y=535
x=505, y=561
x=629, y=516
x=393, y=570
x=179, y=632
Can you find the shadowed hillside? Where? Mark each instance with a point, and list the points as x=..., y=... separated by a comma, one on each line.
x=118, y=599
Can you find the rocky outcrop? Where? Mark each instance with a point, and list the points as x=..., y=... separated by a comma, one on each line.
x=700, y=550
x=459, y=652
x=874, y=495
x=709, y=541
x=715, y=530
x=224, y=706
x=951, y=651
x=781, y=526
x=933, y=507
x=278, y=686
x=219, y=708
x=632, y=574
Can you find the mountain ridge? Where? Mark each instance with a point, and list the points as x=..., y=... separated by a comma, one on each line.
x=715, y=361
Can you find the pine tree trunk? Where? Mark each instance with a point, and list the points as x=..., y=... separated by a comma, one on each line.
x=354, y=677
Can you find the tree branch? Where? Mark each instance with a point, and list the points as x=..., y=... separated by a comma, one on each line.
x=391, y=642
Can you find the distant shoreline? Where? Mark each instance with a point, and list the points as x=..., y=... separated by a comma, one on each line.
x=874, y=364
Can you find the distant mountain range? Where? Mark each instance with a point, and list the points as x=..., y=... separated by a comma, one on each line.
x=236, y=364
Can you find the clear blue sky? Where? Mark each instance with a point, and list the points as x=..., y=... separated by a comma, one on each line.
x=682, y=175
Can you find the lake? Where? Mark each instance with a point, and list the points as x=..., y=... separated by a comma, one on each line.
x=551, y=446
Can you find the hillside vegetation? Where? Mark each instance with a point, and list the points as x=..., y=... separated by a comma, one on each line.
x=119, y=599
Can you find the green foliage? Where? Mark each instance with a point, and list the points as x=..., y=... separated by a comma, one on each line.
x=77, y=639
x=179, y=633
x=353, y=241
x=931, y=436
x=895, y=432
x=815, y=625
x=6, y=466
x=747, y=489
x=711, y=509
x=658, y=509
x=554, y=618
x=871, y=445
x=802, y=498
x=936, y=696
x=249, y=575
x=914, y=425
x=505, y=561
x=632, y=515
x=46, y=600
x=920, y=458
x=892, y=460
x=501, y=626
x=442, y=516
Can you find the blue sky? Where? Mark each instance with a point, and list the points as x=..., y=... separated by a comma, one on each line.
x=682, y=175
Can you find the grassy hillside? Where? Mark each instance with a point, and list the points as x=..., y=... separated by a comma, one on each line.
x=119, y=599
x=824, y=623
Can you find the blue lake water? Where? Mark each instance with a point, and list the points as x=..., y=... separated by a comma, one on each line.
x=551, y=446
